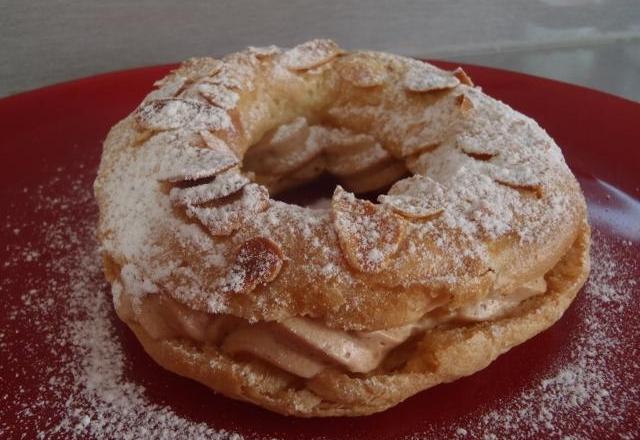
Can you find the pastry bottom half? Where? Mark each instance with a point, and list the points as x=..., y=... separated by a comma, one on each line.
x=440, y=355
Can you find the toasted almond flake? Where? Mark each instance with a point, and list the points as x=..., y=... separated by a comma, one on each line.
x=310, y=54
x=476, y=146
x=417, y=197
x=343, y=142
x=224, y=184
x=346, y=164
x=225, y=80
x=368, y=234
x=422, y=137
x=291, y=131
x=517, y=177
x=287, y=149
x=238, y=71
x=298, y=157
x=190, y=163
x=215, y=143
x=223, y=220
x=168, y=87
x=411, y=207
x=465, y=103
x=363, y=73
x=264, y=52
x=173, y=113
x=433, y=128
x=200, y=67
x=423, y=77
x=463, y=77
x=258, y=261
x=218, y=95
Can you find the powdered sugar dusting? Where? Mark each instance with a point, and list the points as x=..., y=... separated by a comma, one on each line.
x=218, y=94
x=223, y=185
x=226, y=218
x=264, y=52
x=588, y=387
x=82, y=341
x=352, y=153
x=80, y=389
x=485, y=197
x=423, y=77
x=86, y=391
x=416, y=197
x=519, y=176
x=368, y=234
x=310, y=54
x=173, y=113
x=364, y=74
x=191, y=163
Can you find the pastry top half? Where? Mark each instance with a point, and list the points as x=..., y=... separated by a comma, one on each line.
x=481, y=202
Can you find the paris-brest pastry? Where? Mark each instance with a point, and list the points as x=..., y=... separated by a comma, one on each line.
x=478, y=242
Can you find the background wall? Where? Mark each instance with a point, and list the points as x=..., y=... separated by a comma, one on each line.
x=44, y=42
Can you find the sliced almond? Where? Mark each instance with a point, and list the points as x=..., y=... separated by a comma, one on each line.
x=411, y=207
x=343, y=142
x=463, y=77
x=478, y=147
x=168, y=87
x=191, y=163
x=238, y=71
x=291, y=132
x=433, y=128
x=417, y=197
x=346, y=164
x=196, y=68
x=224, y=184
x=368, y=234
x=173, y=113
x=258, y=261
x=226, y=78
x=264, y=52
x=465, y=103
x=423, y=136
x=288, y=148
x=223, y=220
x=311, y=54
x=363, y=73
x=517, y=177
x=348, y=152
x=219, y=95
x=422, y=77
x=213, y=142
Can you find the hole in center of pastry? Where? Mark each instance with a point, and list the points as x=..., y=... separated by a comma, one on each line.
x=318, y=192
x=302, y=161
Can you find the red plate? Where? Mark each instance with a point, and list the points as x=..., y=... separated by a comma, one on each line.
x=70, y=368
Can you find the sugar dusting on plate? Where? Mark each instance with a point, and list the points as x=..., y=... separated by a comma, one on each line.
x=86, y=392
x=587, y=387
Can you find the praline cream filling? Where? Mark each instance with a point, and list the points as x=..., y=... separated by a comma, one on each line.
x=302, y=346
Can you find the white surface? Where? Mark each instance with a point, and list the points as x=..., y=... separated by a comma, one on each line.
x=44, y=42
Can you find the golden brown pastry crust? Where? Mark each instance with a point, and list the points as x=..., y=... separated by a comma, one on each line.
x=499, y=227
